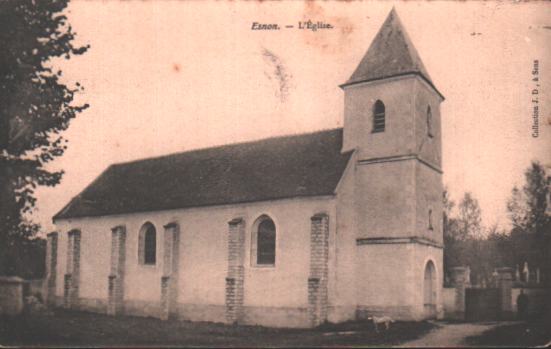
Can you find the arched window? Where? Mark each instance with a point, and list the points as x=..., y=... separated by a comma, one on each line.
x=378, y=117
x=263, y=251
x=429, y=121
x=148, y=244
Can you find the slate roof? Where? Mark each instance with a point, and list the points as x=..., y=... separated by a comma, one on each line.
x=274, y=168
x=390, y=54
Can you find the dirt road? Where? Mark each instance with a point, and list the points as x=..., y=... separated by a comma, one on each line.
x=451, y=335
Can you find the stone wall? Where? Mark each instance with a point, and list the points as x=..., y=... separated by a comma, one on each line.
x=448, y=301
x=538, y=300
x=505, y=284
x=390, y=278
x=461, y=280
x=455, y=297
x=275, y=295
x=398, y=96
x=342, y=282
x=385, y=199
x=11, y=295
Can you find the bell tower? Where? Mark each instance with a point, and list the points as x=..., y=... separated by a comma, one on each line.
x=392, y=121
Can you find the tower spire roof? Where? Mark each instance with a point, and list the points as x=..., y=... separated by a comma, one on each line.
x=390, y=54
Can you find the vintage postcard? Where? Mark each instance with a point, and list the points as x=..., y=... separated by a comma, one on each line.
x=275, y=173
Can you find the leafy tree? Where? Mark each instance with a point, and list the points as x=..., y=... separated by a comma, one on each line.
x=452, y=246
x=470, y=218
x=448, y=205
x=35, y=107
x=527, y=207
x=468, y=243
x=464, y=242
x=536, y=190
x=518, y=209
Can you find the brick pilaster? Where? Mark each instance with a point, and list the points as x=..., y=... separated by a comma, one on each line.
x=319, y=268
x=313, y=301
x=72, y=277
x=115, y=302
x=236, y=271
x=67, y=284
x=51, y=268
x=169, y=280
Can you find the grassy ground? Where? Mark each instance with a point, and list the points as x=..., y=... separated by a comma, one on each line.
x=66, y=328
x=522, y=335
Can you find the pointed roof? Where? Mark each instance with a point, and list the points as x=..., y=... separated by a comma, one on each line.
x=390, y=54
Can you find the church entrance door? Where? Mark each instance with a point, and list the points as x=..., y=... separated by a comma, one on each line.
x=429, y=291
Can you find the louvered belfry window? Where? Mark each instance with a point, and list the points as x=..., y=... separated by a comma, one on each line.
x=378, y=117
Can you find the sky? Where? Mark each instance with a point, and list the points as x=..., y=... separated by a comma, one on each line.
x=171, y=76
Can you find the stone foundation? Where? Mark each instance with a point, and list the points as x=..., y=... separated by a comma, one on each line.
x=294, y=317
x=93, y=305
x=391, y=279
x=341, y=313
x=403, y=313
x=263, y=316
x=143, y=308
x=201, y=312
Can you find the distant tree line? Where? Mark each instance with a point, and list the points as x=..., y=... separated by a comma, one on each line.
x=528, y=242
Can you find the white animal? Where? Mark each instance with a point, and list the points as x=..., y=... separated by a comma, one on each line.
x=377, y=320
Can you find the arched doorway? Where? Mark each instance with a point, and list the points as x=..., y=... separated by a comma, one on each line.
x=429, y=291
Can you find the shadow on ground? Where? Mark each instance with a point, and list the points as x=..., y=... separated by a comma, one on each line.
x=533, y=333
x=68, y=328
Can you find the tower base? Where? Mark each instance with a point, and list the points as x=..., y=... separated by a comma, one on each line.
x=400, y=278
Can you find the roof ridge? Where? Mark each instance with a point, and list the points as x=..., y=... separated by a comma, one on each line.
x=280, y=167
x=226, y=145
x=414, y=54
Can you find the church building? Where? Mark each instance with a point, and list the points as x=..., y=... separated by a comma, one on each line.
x=288, y=231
